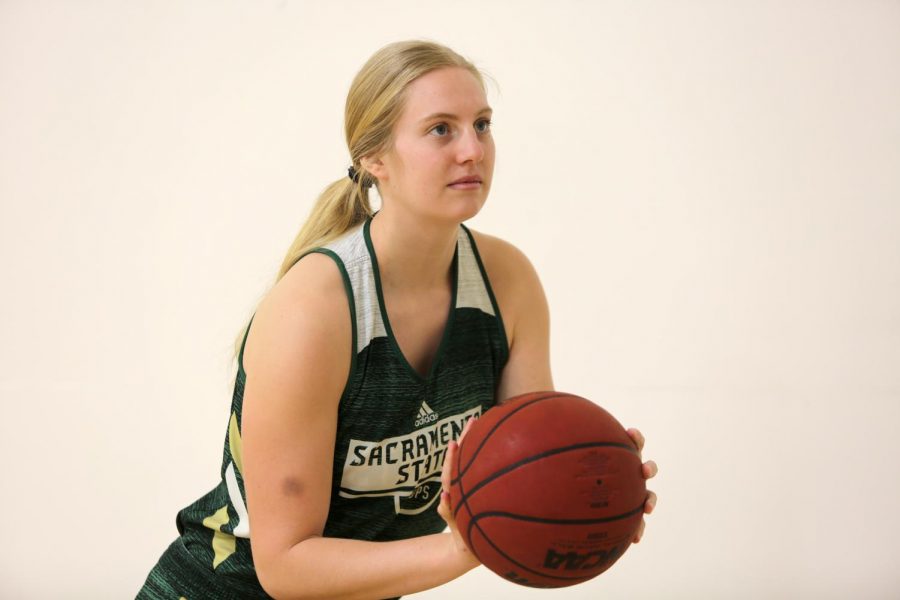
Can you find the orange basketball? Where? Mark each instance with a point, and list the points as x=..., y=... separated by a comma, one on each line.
x=547, y=489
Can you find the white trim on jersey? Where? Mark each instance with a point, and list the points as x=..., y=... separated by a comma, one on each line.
x=242, y=529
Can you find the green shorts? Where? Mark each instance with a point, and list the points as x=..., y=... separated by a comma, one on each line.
x=179, y=574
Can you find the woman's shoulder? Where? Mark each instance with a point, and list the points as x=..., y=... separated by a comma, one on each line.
x=306, y=307
x=506, y=265
x=313, y=283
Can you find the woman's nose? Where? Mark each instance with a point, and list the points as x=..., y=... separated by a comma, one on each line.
x=471, y=147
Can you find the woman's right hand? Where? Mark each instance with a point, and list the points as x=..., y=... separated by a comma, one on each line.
x=445, y=510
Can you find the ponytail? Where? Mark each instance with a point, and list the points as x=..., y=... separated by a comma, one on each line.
x=343, y=205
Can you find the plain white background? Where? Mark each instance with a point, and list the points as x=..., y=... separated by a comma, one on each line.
x=710, y=192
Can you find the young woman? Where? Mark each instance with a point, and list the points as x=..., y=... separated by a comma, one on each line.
x=383, y=337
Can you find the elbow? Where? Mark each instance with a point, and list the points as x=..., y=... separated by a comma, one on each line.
x=272, y=583
x=273, y=577
x=283, y=577
x=279, y=586
x=280, y=590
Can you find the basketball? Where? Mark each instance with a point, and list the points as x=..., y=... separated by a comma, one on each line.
x=547, y=489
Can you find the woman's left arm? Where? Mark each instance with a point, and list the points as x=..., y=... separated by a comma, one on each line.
x=526, y=317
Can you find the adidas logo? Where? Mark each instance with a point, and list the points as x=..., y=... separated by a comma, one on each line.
x=426, y=415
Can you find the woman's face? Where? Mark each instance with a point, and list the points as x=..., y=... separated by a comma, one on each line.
x=443, y=134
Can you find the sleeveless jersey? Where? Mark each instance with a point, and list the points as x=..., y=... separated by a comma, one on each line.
x=393, y=429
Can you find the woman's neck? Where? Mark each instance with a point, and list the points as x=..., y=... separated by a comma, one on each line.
x=413, y=255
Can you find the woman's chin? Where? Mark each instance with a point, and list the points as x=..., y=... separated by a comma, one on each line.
x=464, y=208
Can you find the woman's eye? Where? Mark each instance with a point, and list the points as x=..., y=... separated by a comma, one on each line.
x=440, y=129
x=482, y=126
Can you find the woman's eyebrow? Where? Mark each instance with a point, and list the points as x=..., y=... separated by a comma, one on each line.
x=442, y=115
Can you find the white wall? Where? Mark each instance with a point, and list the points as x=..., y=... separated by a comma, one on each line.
x=710, y=192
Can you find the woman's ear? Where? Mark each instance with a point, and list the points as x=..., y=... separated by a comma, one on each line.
x=375, y=166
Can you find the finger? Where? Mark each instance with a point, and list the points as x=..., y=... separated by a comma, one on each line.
x=449, y=456
x=444, y=509
x=640, y=532
x=650, y=503
x=467, y=427
x=649, y=469
x=638, y=438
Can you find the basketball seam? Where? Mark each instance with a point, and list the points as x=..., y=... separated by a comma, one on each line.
x=529, y=459
x=597, y=521
x=461, y=472
x=473, y=523
x=462, y=502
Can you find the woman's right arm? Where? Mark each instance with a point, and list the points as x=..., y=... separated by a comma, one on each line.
x=297, y=360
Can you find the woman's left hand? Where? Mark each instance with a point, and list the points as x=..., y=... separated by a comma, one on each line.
x=649, y=470
x=445, y=510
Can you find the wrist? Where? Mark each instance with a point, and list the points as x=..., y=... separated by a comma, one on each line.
x=460, y=555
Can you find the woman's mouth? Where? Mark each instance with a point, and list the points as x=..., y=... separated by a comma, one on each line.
x=465, y=185
x=470, y=182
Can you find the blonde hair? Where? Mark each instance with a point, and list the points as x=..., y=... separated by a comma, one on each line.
x=374, y=103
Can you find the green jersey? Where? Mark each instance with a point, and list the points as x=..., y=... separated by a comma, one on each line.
x=393, y=429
